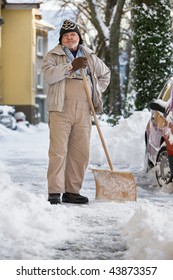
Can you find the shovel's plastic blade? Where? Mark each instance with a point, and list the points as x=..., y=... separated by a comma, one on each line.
x=115, y=185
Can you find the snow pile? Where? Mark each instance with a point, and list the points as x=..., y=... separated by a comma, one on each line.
x=149, y=232
x=125, y=142
x=5, y=131
x=30, y=228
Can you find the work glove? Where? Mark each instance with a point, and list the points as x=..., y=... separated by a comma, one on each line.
x=79, y=62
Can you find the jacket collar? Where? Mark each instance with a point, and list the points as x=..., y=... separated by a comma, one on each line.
x=59, y=50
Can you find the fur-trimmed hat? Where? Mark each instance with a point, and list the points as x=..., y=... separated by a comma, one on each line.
x=69, y=26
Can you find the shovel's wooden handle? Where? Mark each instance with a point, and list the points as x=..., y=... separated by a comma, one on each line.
x=95, y=118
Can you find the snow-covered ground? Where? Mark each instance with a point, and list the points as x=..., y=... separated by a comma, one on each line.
x=32, y=229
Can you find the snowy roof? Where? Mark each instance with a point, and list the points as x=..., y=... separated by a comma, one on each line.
x=44, y=24
x=22, y=3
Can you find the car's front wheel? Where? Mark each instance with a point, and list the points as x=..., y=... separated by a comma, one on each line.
x=162, y=169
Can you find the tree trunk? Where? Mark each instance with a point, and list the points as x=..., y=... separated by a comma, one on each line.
x=114, y=88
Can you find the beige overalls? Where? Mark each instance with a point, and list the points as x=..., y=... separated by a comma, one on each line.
x=70, y=132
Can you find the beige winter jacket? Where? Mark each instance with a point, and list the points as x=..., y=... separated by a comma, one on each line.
x=56, y=69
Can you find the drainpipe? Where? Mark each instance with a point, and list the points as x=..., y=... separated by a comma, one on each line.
x=1, y=21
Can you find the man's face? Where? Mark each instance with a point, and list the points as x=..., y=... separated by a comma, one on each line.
x=70, y=40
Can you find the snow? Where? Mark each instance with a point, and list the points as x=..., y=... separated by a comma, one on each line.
x=32, y=229
x=23, y=1
x=102, y=25
x=6, y=109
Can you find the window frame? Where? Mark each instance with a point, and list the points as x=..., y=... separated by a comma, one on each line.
x=40, y=46
x=39, y=79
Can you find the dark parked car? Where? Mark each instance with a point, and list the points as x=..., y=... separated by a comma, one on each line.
x=159, y=135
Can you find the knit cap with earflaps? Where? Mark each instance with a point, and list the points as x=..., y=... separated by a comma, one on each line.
x=70, y=26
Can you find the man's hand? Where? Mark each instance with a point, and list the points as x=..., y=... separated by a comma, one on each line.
x=79, y=62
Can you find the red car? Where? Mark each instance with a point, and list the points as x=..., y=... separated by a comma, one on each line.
x=159, y=135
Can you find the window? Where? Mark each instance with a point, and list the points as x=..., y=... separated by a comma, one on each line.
x=39, y=80
x=40, y=46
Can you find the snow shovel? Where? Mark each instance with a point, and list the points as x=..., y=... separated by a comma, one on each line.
x=110, y=184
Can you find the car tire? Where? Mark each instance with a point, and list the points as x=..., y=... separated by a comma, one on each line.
x=162, y=169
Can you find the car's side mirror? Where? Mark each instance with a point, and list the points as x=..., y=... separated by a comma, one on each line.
x=154, y=105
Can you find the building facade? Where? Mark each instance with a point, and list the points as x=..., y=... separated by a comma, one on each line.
x=42, y=29
x=21, y=54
